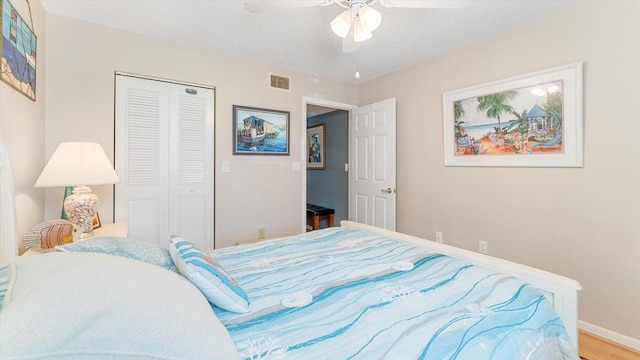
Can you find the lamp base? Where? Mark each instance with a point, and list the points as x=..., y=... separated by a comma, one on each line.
x=86, y=235
x=81, y=207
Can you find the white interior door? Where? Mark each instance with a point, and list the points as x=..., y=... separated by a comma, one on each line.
x=372, y=174
x=191, y=159
x=164, y=157
x=141, y=158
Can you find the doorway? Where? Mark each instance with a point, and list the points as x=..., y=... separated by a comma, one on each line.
x=372, y=161
x=328, y=187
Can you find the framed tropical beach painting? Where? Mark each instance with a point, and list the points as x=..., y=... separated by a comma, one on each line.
x=260, y=131
x=532, y=120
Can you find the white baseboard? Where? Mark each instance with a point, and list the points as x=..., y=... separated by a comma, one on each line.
x=610, y=335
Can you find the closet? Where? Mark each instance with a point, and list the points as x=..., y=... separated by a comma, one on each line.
x=164, y=156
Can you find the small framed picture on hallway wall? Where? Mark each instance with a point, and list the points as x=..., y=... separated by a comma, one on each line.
x=316, y=147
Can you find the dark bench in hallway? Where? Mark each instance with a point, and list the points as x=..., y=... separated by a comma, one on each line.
x=316, y=213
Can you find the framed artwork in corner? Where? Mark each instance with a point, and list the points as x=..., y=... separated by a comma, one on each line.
x=68, y=190
x=18, y=50
x=316, y=147
x=531, y=120
x=96, y=222
x=260, y=131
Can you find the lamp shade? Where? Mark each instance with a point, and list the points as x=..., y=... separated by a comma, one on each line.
x=78, y=163
x=342, y=24
x=369, y=18
x=359, y=33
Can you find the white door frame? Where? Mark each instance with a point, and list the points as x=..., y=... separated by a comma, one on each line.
x=8, y=239
x=303, y=147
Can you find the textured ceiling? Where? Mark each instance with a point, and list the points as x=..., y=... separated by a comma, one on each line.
x=300, y=38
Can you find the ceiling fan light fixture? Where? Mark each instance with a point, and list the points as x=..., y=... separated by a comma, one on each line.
x=359, y=32
x=342, y=24
x=361, y=35
x=369, y=18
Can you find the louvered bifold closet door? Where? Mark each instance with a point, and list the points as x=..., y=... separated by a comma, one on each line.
x=164, y=158
x=141, y=158
x=191, y=172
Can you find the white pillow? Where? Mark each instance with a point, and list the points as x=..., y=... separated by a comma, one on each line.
x=208, y=275
x=98, y=306
x=133, y=249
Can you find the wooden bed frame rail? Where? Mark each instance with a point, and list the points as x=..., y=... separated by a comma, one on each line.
x=560, y=291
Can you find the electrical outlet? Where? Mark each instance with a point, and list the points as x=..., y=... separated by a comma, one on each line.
x=483, y=247
x=439, y=236
x=261, y=233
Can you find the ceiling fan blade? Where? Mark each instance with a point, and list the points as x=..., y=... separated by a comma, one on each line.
x=349, y=46
x=274, y=5
x=425, y=4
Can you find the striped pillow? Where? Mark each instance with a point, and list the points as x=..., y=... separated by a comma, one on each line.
x=206, y=273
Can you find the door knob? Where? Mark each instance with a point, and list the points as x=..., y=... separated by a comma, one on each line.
x=387, y=190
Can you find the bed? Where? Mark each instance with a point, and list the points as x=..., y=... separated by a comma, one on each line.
x=353, y=292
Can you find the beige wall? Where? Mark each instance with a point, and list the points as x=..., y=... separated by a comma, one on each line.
x=260, y=191
x=22, y=129
x=581, y=223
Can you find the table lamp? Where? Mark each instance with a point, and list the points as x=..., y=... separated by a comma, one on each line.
x=79, y=164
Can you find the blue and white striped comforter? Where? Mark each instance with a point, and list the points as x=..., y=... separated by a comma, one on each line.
x=346, y=294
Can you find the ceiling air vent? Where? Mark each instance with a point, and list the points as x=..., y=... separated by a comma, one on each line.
x=280, y=82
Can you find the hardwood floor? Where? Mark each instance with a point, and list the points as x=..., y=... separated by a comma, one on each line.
x=594, y=347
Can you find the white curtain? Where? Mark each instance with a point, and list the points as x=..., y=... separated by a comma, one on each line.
x=7, y=209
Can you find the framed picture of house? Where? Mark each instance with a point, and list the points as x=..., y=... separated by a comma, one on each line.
x=18, y=50
x=316, y=147
x=260, y=131
x=532, y=120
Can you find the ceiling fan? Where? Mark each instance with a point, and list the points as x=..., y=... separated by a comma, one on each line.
x=359, y=19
